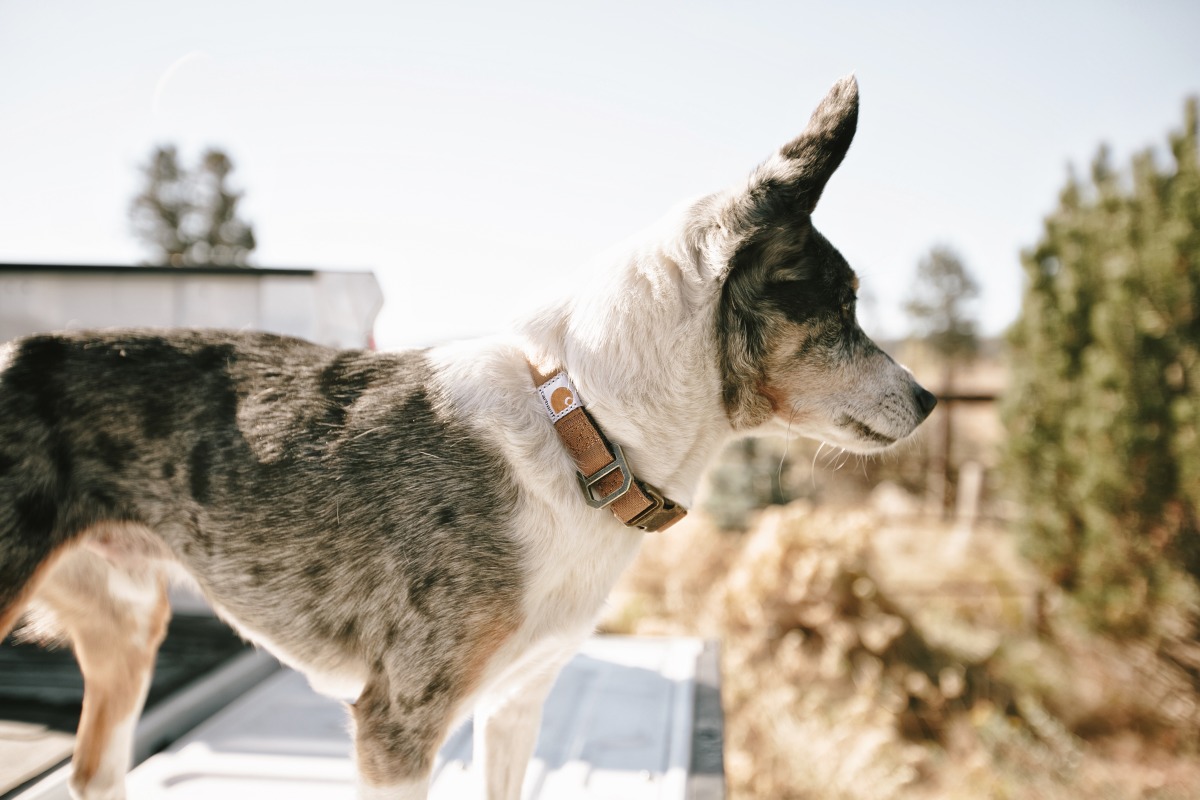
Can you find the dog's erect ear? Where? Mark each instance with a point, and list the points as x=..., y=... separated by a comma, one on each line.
x=811, y=158
x=791, y=181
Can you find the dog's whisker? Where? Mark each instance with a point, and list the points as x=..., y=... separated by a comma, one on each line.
x=787, y=443
x=831, y=457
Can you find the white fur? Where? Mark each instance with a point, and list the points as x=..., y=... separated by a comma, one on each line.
x=135, y=591
x=408, y=790
x=109, y=781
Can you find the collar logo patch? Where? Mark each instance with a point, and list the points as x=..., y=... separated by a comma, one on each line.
x=559, y=396
x=561, y=400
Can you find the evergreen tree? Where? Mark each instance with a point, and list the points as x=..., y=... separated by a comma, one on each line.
x=942, y=318
x=1104, y=406
x=191, y=217
x=939, y=305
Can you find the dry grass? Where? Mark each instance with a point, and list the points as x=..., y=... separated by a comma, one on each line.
x=867, y=657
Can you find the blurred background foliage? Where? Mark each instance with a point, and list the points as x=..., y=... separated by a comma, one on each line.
x=189, y=217
x=1103, y=408
x=1008, y=604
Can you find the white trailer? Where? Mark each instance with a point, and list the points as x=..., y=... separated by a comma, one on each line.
x=330, y=308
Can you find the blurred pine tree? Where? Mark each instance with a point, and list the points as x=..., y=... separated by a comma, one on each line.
x=1104, y=406
x=940, y=307
x=191, y=218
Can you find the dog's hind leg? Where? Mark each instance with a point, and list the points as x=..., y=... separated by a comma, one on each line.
x=115, y=616
x=20, y=577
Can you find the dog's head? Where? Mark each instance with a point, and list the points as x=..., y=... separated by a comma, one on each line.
x=791, y=350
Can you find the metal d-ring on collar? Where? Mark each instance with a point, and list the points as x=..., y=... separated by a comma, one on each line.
x=588, y=482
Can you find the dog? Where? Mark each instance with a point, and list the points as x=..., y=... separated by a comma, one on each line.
x=431, y=531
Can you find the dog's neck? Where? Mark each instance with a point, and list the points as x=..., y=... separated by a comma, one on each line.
x=639, y=345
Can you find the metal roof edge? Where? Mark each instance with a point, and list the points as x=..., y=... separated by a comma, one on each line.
x=159, y=269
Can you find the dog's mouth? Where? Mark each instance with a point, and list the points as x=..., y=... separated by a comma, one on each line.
x=865, y=431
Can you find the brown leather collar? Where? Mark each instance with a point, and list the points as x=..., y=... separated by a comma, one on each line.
x=604, y=477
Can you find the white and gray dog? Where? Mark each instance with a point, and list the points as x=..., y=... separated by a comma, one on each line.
x=433, y=531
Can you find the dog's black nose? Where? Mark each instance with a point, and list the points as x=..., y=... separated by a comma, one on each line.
x=925, y=401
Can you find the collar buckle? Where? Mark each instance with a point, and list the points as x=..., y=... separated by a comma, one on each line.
x=588, y=482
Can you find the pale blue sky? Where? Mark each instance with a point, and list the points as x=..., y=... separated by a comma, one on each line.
x=475, y=155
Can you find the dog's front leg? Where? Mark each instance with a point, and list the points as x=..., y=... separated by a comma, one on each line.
x=507, y=720
x=396, y=737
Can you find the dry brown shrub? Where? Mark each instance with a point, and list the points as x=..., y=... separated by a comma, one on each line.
x=866, y=657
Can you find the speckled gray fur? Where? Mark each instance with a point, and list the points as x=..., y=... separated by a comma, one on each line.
x=307, y=489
